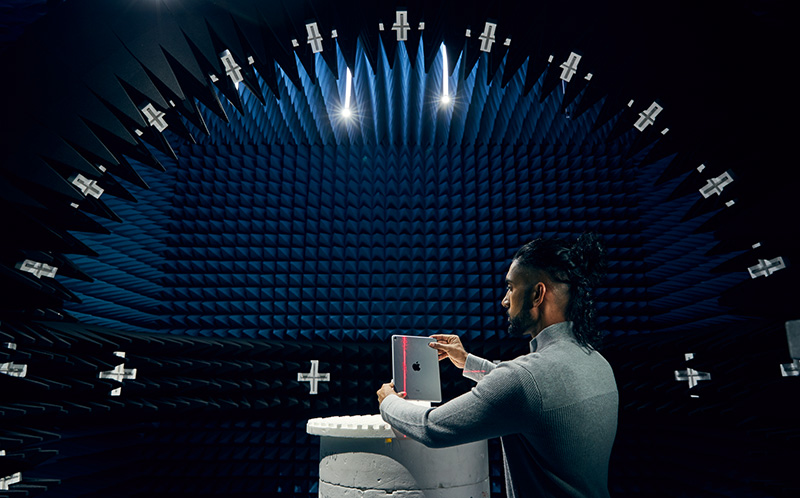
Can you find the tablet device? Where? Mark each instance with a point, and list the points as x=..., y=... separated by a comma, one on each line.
x=415, y=368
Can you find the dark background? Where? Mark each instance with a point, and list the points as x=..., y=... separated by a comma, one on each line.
x=261, y=231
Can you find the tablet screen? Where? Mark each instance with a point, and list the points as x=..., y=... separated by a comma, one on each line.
x=415, y=368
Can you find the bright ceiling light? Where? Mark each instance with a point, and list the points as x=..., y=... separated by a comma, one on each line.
x=346, y=111
x=445, y=79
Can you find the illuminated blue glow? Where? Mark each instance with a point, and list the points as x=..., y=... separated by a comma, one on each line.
x=445, y=79
x=346, y=112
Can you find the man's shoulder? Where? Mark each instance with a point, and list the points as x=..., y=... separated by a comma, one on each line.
x=566, y=373
x=510, y=381
x=518, y=373
x=562, y=355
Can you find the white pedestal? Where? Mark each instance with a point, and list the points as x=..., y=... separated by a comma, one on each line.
x=362, y=457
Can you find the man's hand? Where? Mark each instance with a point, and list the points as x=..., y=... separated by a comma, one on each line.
x=449, y=346
x=386, y=390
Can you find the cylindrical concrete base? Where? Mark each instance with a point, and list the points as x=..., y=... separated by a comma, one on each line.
x=362, y=458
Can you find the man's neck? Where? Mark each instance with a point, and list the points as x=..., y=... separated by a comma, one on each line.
x=543, y=324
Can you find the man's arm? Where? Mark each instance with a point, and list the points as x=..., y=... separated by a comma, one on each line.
x=449, y=346
x=492, y=408
x=476, y=368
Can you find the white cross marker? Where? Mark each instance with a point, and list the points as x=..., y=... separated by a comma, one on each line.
x=87, y=186
x=487, y=37
x=793, y=338
x=648, y=117
x=13, y=369
x=314, y=38
x=401, y=25
x=692, y=375
x=716, y=185
x=314, y=377
x=38, y=269
x=766, y=267
x=8, y=480
x=154, y=117
x=119, y=373
x=570, y=67
x=790, y=369
x=232, y=69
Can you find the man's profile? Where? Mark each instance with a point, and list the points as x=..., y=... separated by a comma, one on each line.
x=555, y=408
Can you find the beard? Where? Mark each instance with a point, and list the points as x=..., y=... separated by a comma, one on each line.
x=523, y=321
x=520, y=324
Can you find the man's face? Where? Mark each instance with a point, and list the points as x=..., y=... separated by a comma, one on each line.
x=519, y=302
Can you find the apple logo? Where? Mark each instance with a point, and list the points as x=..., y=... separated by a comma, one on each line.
x=415, y=366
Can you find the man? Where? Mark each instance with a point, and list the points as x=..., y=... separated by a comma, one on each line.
x=554, y=409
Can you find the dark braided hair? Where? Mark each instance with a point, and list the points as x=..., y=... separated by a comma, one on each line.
x=581, y=266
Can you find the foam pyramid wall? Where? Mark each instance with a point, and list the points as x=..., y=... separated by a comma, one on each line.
x=281, y=226
x=286, y=234
x=128, y=271
x=355, y=242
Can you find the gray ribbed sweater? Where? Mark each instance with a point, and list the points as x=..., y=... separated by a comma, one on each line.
x=555, y=410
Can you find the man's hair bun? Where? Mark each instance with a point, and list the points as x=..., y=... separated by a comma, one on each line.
x=589, y=257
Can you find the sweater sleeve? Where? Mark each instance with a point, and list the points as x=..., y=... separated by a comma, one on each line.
x=475, y=368
x=490, y=409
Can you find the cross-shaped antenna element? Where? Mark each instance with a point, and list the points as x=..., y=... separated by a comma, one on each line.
x=119, y=373
x=716, y=185
x=154, y=117
x=38, y=270
x=314, y=37
x=766, y=267
x=13, y=369
x=691, y=375
x=648, y=117
x=8, y=480
x=314, y=377
x=570, y=67
x=401, y=25
x=487, y=37
x=87, y=186
x=232, y=69
x=793, y=338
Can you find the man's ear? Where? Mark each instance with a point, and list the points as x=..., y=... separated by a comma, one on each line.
x=537, y=294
